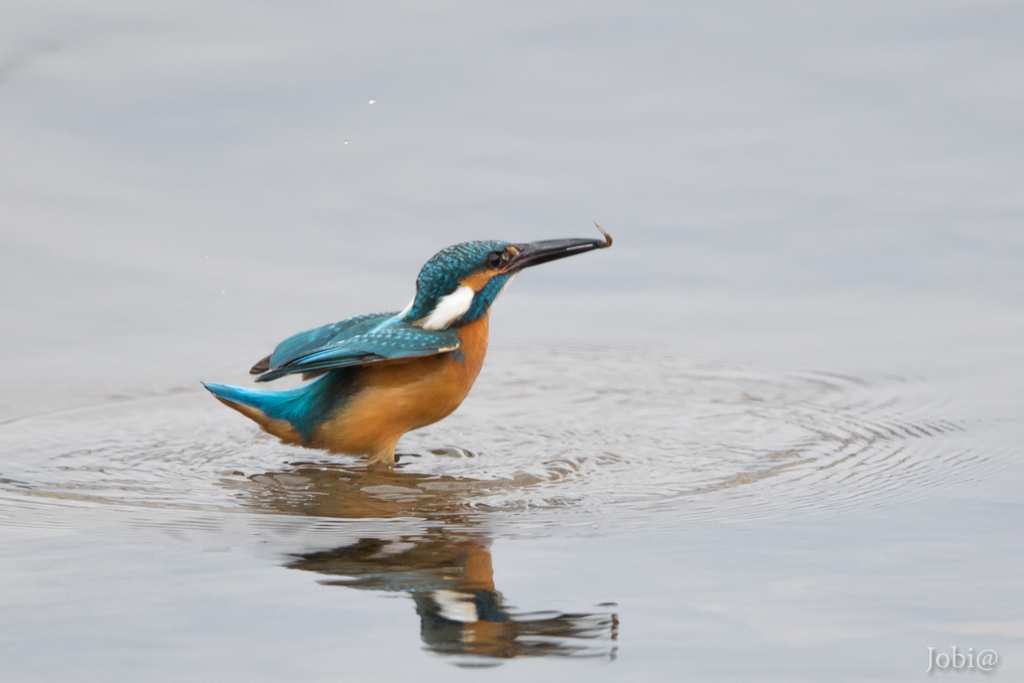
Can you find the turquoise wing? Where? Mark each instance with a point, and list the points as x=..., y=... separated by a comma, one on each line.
x=344, y=350
x=302, y=343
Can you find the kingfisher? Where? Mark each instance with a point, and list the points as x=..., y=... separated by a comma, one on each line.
x=377, y=376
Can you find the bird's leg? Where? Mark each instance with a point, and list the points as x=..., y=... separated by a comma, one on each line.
x=384, y=456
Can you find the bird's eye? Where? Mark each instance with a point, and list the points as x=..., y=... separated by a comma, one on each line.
x=494, y=259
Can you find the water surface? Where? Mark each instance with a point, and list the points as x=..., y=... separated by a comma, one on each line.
x=773, y=434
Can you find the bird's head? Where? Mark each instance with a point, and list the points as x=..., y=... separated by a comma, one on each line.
x=458, y=284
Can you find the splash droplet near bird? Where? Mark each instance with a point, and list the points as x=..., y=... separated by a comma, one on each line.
x=372, y=100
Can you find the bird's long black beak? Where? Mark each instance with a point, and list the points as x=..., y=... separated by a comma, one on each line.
x=535, y=253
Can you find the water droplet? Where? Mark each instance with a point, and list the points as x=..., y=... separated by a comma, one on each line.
x=346, y=142
x=372, y=100
x=223, y=291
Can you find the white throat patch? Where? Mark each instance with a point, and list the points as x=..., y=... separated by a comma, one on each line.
x=456, y=606
x=395, y=319
x=504, y=287
x=405, y=311
x=448, y=309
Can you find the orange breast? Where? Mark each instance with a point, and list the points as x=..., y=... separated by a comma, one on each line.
x=394, y=397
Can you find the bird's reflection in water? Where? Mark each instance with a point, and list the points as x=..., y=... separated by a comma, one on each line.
x=446, y=568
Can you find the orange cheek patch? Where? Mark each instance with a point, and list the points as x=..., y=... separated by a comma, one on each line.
x=479, y=280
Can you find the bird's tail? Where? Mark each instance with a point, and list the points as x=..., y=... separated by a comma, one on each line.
x=291, y=415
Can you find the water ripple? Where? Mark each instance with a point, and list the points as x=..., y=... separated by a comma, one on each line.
x=582, y=436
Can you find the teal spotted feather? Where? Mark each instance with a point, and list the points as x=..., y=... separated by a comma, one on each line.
x=398, y=341
x=303, y=343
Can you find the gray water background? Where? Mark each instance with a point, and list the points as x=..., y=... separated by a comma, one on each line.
x=793, y=188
